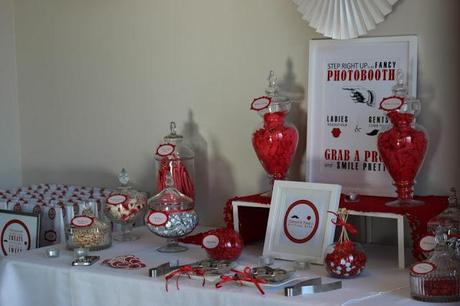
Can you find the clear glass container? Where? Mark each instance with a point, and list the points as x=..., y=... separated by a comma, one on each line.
x=176, y=158
x=275, y=139
x=345, y=259
x=85, y=229
x=449, y=218
x=403, y=145
x=171, y=215
x=436, y=279
x=123, y=206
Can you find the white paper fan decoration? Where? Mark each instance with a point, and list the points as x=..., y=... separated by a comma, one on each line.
x=344, y=19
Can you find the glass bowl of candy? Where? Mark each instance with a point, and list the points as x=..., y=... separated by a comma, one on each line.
x=345, y=259
x=85, y=229
x=171, y=215
x=123, y=206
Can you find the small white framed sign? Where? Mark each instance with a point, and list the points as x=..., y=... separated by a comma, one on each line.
x=19, y=231
x=299, y=225
x=347, y=80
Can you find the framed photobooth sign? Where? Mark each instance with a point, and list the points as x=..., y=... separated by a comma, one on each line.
x=299, y=226
x=347, y=80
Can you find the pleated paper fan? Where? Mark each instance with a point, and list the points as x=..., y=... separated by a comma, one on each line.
x=344, y=19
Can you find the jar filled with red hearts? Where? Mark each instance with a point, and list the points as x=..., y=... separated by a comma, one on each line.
x=275, y=139
x=123, y=206
x=438, y=278
x=175, y=157
x=171, y=215
x=403, y=146
x=344, y=258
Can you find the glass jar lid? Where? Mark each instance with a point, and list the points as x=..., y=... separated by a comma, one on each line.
x=170, y=198
x=173, y=146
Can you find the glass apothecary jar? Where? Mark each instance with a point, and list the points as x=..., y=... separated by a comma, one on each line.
x=123, y=206
x=85, y=229
x=403, y=145
x=171, y=215
x=176, y=158
x=449, y=218
x=275, y=139
x=436, y=279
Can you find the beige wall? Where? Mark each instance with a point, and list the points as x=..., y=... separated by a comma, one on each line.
x=10, y=143
x=99, y=82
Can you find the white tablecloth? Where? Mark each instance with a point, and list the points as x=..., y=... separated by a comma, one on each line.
x=33, y=279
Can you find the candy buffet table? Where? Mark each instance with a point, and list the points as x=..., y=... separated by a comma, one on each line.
x=34, y=279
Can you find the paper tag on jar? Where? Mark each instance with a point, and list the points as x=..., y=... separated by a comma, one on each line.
x=117, y=199
x=210, y=241
x=427, y=243
x=165, y=149
x=82, y=221
x=261, y=103
x=423, y=268
x=391, y=103
x=157, y=218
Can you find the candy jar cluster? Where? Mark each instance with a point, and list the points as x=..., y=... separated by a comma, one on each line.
x=344, y=258
x=404, y=145
x=275, y=139
x=176, y=158
x=437, y=279
x=123, y=206
x=171, y=215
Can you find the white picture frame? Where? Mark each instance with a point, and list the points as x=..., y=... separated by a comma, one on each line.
x=299, y=226
x=19, y=232
x=344, y=118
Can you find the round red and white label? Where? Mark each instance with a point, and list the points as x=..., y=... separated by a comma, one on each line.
x=427, y=243
x=15, y=237
x=391, y=103
x=165, y=149
x=301, y=221
x=82, y=221
x=261, y=103
x=423, y=268
x=157, y=218
x=210, y=241
x=117, y=199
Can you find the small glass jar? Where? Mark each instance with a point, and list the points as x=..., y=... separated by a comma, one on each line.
x=436, y=279
x=176, y=158
x=123, y=206
x=275, y=139
x=449, y=218
x=403, y=145
x=345, y=259
x=84, y=228
x=171, y=215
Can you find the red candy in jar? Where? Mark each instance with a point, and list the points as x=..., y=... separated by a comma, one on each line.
x=345, y=259
x=275, y=140
x=403, y=146
x=275, y=144
x=220, y=244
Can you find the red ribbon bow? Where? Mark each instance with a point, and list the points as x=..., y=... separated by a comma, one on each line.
x=240, y=277
x=340, y=222
x=184, y=270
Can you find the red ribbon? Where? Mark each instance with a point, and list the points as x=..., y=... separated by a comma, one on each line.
x=240, y=277
x=185, y=270
x=340, y=222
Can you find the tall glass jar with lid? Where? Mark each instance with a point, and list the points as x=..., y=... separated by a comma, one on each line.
x=175, y=157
